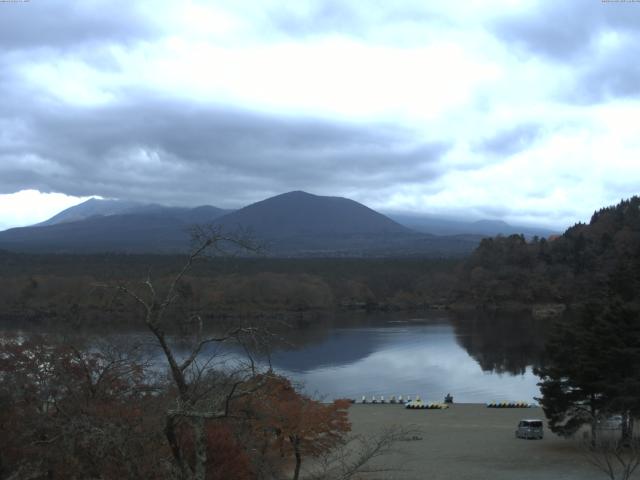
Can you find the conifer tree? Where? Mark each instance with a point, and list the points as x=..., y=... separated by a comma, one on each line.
x=592, y=369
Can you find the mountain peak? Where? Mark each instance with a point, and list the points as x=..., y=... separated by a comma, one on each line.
x=296, y=194
x=300, y=213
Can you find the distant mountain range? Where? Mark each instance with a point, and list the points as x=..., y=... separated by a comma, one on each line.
x=292, y=224
x=446, y=226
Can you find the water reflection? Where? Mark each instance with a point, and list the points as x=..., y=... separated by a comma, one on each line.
x=426, y=358
x=477, y=358
x=502, y=343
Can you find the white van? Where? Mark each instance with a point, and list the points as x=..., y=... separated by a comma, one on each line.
x=530, y=428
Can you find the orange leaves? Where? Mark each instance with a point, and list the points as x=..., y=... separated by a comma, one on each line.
x=294, y=421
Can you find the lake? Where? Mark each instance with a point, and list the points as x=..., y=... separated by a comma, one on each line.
x=475, y=357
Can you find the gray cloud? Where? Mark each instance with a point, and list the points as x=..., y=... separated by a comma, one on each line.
x=548, y=217
x=150, y=148
x=387, y=23
x=63, y=24
x=322, y=17
x=510, y=141
x=183, y=153
x=570, y=32
x=610, y=75
x=561, y=31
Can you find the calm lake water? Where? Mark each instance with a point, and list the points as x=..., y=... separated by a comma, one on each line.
x=476, y=358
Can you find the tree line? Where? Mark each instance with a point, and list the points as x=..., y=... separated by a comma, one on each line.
x=61, y=289
x=579, y=266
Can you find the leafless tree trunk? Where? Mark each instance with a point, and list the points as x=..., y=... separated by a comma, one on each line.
x=188, y=375
x=594, y=422
x=627, y=426
x=296, y=449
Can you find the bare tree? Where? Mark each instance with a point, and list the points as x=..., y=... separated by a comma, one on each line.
x=616, y=459
x=357, y=455
x=203, y=393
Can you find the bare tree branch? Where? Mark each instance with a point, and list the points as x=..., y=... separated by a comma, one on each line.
x=356, y=455
x=617, y=460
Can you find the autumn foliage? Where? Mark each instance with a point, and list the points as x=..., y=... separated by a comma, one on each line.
x=294, y=425
x=72, y=413
x=68, y=412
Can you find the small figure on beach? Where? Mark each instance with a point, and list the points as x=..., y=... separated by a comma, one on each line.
x=448, y=398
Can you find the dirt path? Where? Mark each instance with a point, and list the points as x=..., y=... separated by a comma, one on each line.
x=470, y=441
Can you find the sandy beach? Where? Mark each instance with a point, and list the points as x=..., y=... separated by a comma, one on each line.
x=471, y=441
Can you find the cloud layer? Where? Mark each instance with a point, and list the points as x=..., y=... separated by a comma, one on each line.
x=521, y=110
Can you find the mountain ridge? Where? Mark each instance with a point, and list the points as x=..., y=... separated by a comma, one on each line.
x=89, y=208
x=110, y=207
x=295, y=223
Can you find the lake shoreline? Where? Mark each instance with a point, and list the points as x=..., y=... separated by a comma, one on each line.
x=41, y=317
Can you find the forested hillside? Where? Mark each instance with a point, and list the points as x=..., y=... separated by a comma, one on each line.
x=54, y=288
x=586, y=262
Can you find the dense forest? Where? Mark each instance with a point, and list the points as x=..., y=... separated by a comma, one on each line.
x=67, y=287
x=577, y=266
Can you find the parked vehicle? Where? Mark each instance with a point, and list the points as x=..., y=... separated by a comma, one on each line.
x=531, y=428
x=613, y=422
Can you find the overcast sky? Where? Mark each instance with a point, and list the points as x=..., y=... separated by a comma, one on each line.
x=522, y=110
